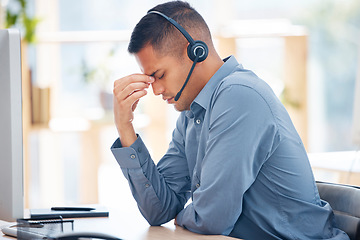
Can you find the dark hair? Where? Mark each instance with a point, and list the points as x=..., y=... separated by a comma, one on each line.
x=162, y=35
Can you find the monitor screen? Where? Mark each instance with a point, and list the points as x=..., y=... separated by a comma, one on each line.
x=11, y=140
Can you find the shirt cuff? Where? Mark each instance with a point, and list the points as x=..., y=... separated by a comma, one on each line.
x=130, y=157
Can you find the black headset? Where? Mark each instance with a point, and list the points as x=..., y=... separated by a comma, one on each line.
x=197, y=51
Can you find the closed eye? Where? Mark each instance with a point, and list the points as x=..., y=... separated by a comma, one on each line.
x=161, y=76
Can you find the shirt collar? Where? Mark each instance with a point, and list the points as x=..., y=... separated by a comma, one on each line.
x=203, y=98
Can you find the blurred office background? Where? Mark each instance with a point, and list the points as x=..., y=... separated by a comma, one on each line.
x=308, y=51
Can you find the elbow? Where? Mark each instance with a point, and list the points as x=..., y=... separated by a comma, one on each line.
x=157, y=219
x=157, y=216
x=208, y=228
x=153, y=221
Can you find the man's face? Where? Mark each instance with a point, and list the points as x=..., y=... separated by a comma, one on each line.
x=170, y=73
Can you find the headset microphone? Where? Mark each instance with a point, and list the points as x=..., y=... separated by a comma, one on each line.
x=197, y=51
x=187, y=79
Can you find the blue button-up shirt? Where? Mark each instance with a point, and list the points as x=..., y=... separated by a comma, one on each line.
x=238, y=156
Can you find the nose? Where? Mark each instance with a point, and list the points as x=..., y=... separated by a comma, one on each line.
x=157, y=87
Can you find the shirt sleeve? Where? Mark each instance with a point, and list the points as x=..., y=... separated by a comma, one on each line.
x=160, y=192
x=241, y=136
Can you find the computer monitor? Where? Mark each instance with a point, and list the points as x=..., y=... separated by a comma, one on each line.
x=11, y=139
x=356, y=111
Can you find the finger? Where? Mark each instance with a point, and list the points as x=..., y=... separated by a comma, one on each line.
x=128, y=90
x=130, y=101
x=130, y=84
x=123, y=82
x=123, y=95
x=123, y=110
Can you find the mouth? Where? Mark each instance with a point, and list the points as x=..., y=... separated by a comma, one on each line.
x=169, y=100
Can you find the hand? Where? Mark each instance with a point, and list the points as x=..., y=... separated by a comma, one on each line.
x=127, y=93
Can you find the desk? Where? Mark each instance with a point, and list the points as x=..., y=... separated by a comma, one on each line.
x=130, y=225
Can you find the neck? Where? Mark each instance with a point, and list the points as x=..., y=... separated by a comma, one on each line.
x=203, y=73
x=210, y=67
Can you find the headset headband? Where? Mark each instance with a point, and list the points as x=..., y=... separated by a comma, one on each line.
x=178, y=26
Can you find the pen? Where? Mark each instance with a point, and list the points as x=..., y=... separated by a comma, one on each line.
x=72, y=209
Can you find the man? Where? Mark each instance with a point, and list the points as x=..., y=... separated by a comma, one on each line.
x=234, y=150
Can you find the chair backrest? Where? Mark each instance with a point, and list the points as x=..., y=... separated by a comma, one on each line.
x=345, y=202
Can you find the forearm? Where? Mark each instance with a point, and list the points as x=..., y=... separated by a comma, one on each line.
x=157, y=201
x=127, y=134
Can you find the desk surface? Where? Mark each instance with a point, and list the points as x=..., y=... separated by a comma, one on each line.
x=131, y=225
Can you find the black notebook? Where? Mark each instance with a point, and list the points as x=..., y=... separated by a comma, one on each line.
x=47, y=213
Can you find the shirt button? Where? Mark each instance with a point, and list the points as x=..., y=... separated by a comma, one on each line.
x=147, y=185
x=197, y=185
x=132, y=156
x=198, y=121
x=139, y=150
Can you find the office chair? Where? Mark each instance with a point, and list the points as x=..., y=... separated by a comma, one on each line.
x=345, y=202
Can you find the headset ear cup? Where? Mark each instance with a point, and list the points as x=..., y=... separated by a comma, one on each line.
x=199, y=47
